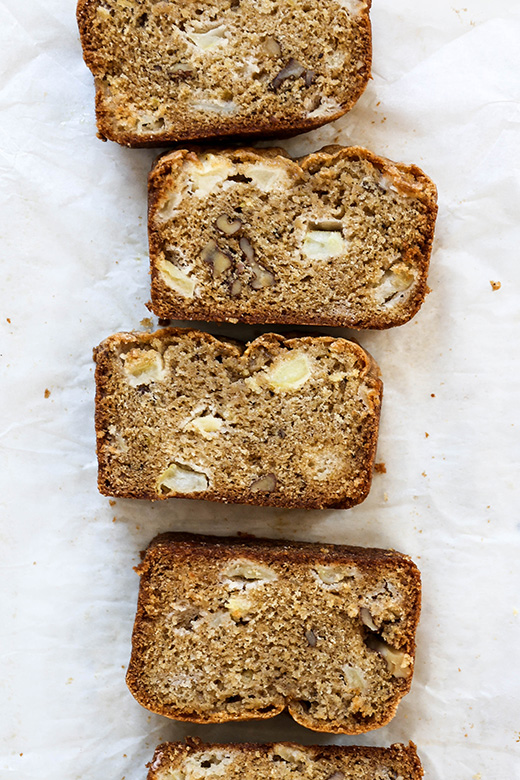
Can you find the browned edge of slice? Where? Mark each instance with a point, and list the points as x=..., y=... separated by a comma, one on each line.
x=267, y=127
x=370, y=372
x=404, y=176
x=182, y=546
x=403, y=757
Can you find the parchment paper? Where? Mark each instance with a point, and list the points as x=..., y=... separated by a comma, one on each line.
x=444, y=95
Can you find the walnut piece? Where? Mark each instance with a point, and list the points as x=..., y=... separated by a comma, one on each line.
x=236, y=288
x=399, y=663
x=212, y=254
x=265, y=484
x=261, y=277
x=228, y=226
x=293, y=69
x=367, y=619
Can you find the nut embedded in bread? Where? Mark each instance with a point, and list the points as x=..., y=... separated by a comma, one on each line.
x=176, y=71
x=233, y=629
x=340, y=237
x=195, y=760
x=282, y=422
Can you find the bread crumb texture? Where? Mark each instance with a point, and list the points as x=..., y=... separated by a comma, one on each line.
x=195, y=760
x=283, y=422
x=340, y=237
x=228, y=629
x=172, y=71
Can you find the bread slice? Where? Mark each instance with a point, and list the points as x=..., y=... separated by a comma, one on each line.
x=233, y=629
x=341, y=237
x=173, y=71
x=283, y=422
x=194, y=760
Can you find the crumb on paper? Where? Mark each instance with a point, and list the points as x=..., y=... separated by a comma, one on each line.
x=385, y=496
x=147, y=323
x=424, y=474
x=426, y=434
x=9, y=321
x=432, y=395
x=478, y=776
x=380, y=468
x=495, y=285
x=114, y=519
x=47, y=393
x=112, y=502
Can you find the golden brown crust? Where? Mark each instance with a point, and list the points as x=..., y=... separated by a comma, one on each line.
x=397, y=757
x=261, y=125
x=170, y=551
x=107, y=405
x=408, y=179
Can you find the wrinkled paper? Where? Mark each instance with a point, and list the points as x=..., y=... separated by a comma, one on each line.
x=444, y=95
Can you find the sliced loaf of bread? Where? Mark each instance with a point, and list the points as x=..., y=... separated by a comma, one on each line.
x=284, y=422
x=173, y=71
x=233, y=629
x=340, y=237
x=195, y=760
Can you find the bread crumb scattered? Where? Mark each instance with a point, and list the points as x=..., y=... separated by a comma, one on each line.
x=385, y=496
x=380, y=468
x=424, y=474
x=112, y=502
x=9, y=321
x=46, y=393
x=495, y=285
x=426, y=434
x=433, y=395
x=147, y=323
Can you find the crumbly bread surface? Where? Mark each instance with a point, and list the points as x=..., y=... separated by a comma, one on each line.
x=172, y=71
x=232, y=629
x=195, y=760
x=283, y=422
x=340, y=237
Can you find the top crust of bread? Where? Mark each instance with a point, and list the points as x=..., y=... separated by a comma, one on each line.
x=254, y=85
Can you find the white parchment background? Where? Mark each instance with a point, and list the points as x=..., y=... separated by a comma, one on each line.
x=445, y=95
